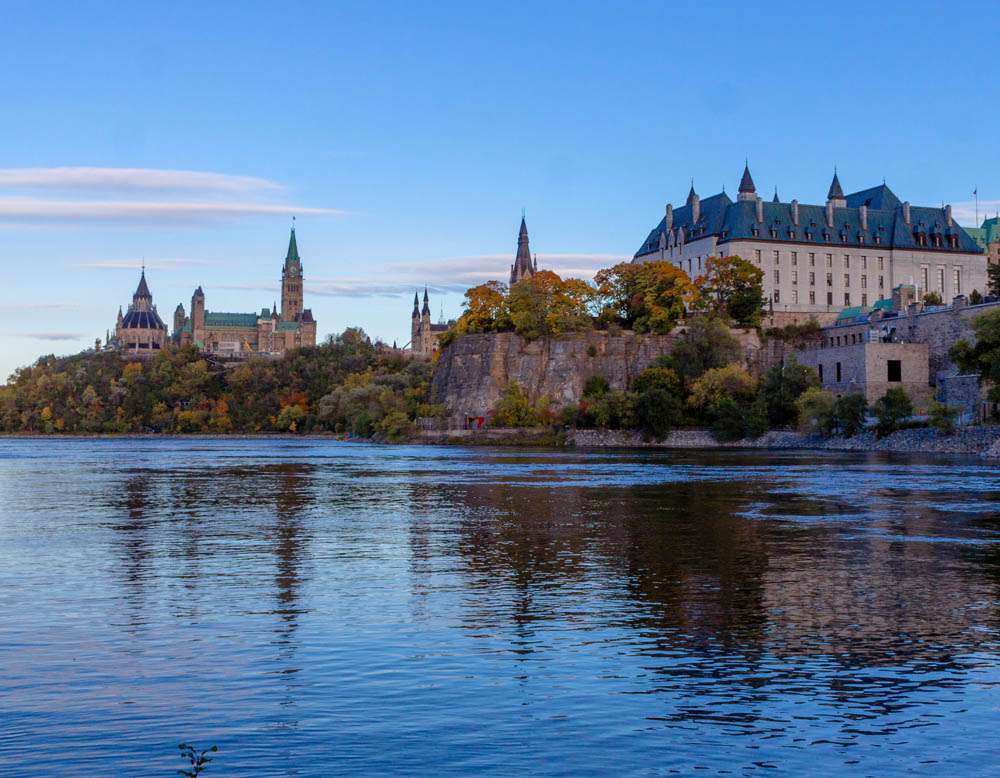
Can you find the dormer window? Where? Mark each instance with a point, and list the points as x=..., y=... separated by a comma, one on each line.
x=861, y=237
x=809, y=235
x=774, y=233
x=878, y=238
x=755, y=232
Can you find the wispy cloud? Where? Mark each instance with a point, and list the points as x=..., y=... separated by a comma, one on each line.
x=103, y=179
x=54, y=335
x=151, y=263
x=966, y=212
x=452, y=274
x=38, y=306
x=171, y=212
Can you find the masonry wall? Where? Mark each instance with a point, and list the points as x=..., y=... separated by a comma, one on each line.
x=864, y=369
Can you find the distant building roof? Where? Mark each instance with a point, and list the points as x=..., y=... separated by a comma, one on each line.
x=231, y=320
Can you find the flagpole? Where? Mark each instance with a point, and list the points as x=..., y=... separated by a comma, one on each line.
x=976, y=193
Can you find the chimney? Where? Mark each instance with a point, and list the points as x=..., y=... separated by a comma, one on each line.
x=760, y=211
x=695, y=209
x=829, y=214
x=864, y=217
x=947, y=214
x=670, y=217
x=795, y=212
x=906, y=212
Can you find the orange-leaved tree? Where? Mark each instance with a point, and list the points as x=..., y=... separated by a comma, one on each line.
x=645, y=296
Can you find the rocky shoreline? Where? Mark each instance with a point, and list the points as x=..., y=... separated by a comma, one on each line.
x=983, y=442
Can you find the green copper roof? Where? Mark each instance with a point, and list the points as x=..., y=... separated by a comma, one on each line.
x=239, y=320
x=293, y=249
x=287, y=325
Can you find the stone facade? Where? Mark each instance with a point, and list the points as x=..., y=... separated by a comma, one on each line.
x=819, y=259
x=872, y=369
x=140, y=331
x=269, y=332
x=424, y=335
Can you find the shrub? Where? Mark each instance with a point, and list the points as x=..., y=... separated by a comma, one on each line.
x=849, y=414
x=655, y=413
x=783, y=385
x=514, y=409
x=815, y=408
x=891, y=410
x=942, y=417
x=596, y=386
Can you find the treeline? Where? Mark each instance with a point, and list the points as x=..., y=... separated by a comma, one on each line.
x=345, y=385
x=644, y=297
x=702, y=384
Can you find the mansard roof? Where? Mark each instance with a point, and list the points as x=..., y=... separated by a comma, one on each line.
x=727, y=220
x=143, y=320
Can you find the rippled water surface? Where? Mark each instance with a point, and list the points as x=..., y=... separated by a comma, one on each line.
x=319, y=609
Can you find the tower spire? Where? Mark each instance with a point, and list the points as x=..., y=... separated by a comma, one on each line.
x=747, y=191
x=522, y=268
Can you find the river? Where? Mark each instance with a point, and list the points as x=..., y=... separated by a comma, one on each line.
x=322, y=609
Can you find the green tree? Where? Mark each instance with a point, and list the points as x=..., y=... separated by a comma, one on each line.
x=849, y=414
x=993, y=278
x=891, y=410
x=984, y=357
x=514, y=409
x=942, y=417
x=596, y=387
x=932, y=298
x=782, y=386
x=816, y=411
x=656, y=412
x=705, y=344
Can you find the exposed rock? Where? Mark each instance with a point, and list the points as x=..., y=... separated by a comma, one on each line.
x=472, y=372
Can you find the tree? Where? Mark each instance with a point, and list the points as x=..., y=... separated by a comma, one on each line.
x=656, y=411
x=485, y=308
x=647, y=296
x=513, y=409
x=850, y=413
x=891, y=409
x=783, y=385
x=975, y=298
x=816, y=411
x=706, y=344
x=993, y=278
x=732, y=287
x=725, y=397
x=942, y=417
x=932, y=298
x=596, y=387
x=656, y=378
x=983, y=358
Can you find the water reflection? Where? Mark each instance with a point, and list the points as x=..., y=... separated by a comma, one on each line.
x=415, y=610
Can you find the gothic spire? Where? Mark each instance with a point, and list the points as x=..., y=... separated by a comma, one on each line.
x=776, y=200
x=427, y=308
x=293, y=249
x=142, y=291
x=522, y=261
x=746, y=183
x=836, y=193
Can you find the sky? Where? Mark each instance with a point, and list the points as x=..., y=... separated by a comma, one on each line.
x=406, y=138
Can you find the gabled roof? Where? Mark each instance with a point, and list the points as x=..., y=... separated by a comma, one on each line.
x=878, y=198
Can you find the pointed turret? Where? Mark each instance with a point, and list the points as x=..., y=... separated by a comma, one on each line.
x=426, y=311
x=776, y=200
x=691, y=194
x=836, y=195
x=416, y=305
x=522, y=261
x=142, y=291
x=747, y=191
x=293, y=249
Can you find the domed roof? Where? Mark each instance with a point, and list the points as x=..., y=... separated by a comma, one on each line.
x=142, y=320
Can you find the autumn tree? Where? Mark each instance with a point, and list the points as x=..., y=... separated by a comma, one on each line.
x=647, y=296
x=734, y=288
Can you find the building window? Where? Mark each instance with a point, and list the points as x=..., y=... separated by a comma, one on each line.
x=795, y=257
x=864, y=262
x=881, y=282
x=847, y=299
x=777, y=277
x=776, y=296
x=829, y=260
x=847, y=261
x=820, y=373
x=923, y=279
x=881, y=263
x=812, y=298
x=795, y=276
x=795, y=295
x=829, y=279
x=812, y=259
x=957, y=281
x=829, y=299
x=777, y=257
x=812, y=278
x=895, y=370
x=940, y=280
x=847, y=280
x=864, y=282
x=756, y=255
x=864, y=300
x=838, y=372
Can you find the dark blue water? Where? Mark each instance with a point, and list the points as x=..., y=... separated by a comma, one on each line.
x=322, y=609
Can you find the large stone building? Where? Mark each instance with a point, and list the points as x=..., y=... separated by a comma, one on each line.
x=817, y=259
x=423, y=333
x=269, y=332
x=140, y=331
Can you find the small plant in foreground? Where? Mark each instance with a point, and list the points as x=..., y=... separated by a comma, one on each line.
x=198, y=759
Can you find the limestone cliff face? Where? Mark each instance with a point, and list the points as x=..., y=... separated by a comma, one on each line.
x=472, y=372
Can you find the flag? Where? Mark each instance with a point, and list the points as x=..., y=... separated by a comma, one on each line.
x=974, y=191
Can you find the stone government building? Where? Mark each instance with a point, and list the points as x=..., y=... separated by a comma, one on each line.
x=819, y=259
x=269, y=332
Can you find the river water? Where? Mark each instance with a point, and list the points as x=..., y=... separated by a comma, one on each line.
x=318, y=609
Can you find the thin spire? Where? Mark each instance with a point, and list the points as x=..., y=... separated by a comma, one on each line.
x=776, y=194
x=293, y=248
x=746, y=182
x=836, y=193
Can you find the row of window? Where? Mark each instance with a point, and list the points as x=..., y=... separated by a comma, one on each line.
x=893, y=371
x=829, y=279
x=776, y=298
x=956, y=280
x=776, y=255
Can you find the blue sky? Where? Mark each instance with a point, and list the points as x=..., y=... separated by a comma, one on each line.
x=407, y=137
